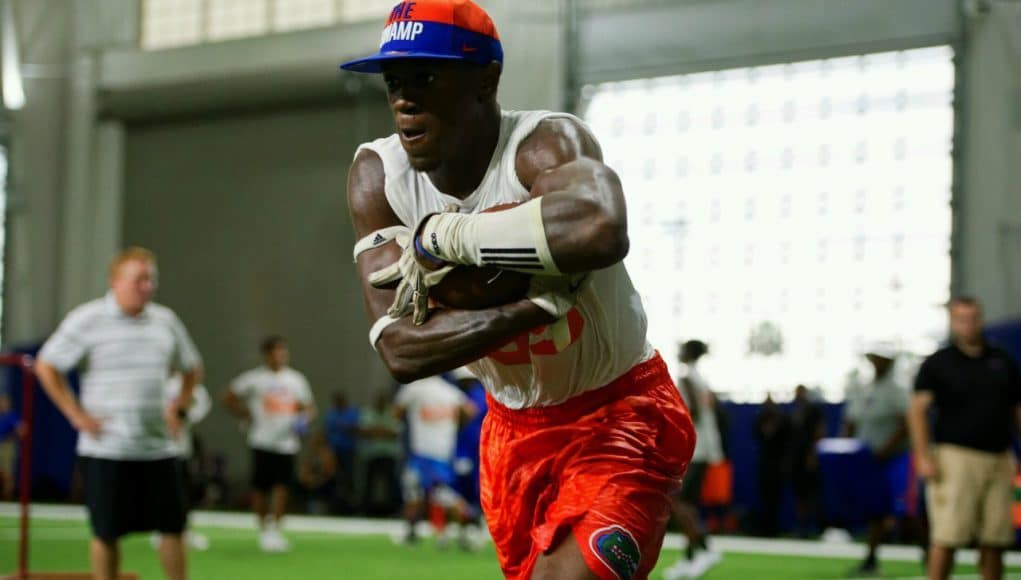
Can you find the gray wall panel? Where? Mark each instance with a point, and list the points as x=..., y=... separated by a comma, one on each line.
x=248, y=217
x=987, y=205
x=675, y=37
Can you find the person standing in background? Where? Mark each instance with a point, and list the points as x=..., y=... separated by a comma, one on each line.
x=127, y=456
x=317, y=475
x=975, y=389
x=772, y=429
x=380, y=450
x=807, y=428
x=708, y=450
x=880, y=421
x=341, y=423
x=275, y=401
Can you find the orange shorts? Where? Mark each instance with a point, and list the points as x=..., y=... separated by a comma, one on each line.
x=600, y=466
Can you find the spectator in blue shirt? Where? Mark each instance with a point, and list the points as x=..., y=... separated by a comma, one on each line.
x=341, y=423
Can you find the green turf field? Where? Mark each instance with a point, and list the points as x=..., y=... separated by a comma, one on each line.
x=62, y=545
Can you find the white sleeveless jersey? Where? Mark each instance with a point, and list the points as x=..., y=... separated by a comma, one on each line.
x=598, y=341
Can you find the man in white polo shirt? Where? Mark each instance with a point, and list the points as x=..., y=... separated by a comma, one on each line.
x=127, y=455
x=276, y=402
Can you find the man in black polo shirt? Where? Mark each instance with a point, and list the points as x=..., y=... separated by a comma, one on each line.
x=975, y=389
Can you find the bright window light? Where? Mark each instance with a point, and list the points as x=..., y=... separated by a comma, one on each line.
x=172, y=23
x=788, y=215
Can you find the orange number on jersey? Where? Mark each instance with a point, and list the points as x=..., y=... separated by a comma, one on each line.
x=561, y=334
x=279, y=404
x=434, y=413
x=514, y=352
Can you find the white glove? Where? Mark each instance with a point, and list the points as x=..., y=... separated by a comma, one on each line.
x=413, y=291
x=557, y=295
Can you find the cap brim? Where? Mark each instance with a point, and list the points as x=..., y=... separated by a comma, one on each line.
x=374, y=63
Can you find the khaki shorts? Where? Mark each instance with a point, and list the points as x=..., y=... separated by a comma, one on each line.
x=972, y=497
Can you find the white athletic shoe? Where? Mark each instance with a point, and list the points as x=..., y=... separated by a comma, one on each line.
x=282, y=544
x=197, y=541
x=266, y=541
x=702, y=562
x=277, y=541
x=154, y=541
x=470, y=539
x=678, y=571
x=271, y=540
x=445, y=538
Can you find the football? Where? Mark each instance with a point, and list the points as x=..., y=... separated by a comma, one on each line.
x=475, y=288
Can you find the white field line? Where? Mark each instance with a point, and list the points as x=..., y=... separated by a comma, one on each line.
x=394, y=528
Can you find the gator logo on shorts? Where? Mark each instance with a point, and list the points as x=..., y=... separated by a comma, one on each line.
x=617, y=548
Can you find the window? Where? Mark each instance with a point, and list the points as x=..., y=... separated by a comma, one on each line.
x=817, y=211
x=170, y=23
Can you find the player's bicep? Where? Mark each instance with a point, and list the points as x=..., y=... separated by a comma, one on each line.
x=562, y=154
x=554, y=143
x=583, y=209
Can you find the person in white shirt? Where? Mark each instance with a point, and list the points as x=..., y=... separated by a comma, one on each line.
x=276, y=403
x=708, y=450
x=434, y=409
x=126, y=450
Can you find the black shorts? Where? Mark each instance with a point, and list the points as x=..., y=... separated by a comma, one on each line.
x=270, y=469
x=125, y=496
x=691, y=485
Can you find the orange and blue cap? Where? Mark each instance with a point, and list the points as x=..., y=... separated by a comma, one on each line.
x=434, y=29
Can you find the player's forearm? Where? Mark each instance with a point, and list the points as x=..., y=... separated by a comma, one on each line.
x=187, y=395
x=452, y=338
x=57, y=389
x=234, y=406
